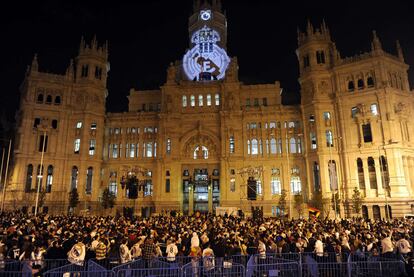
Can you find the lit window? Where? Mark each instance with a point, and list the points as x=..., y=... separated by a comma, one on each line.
x=209, y=100
x=200, y=100
x=231, y=144
x=311, y=118
x=327, y=116
x=93, y=126
x=116, y=131
x=293, y=145
x=295, y=185
x=192, y=99
x=113, y=188
x=313, y=140
x=148, y=149
x=291, y=124
x=259, y=187
x=115, y=151
x=329, y=138
x=374, y=109
x=255, y=148
x=74, y=178
x=92, y=145
x=79, y=125
x=76, y=147
x=354, y=112
x=233, y=184
x=200, y=152
x=168, y=146
x=49, y=179
x=217, y=99
x=132, y=150
x=275, y=185
x=273, y=146
x=272, y=125
x=148, y=187
x=184, y=101
x=248, y=147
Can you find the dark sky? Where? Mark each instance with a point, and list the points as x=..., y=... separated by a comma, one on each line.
x=144, y=37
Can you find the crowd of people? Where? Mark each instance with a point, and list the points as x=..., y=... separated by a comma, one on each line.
x=77, y=239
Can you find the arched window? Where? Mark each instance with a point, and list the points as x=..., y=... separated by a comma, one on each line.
x=248, y=147
x=255, y=148
x=329, y=138
x=49, y=178
x=29, y=178
x=360, y=84
x=208, y=99
x=200, y=152
x=39, y=177
x=58, y=100
x=192, y=99
x=54, y=124
x=293, y=145
x=370, y=82
x=275, y=185
x=74, y=178
x=89, y=175
x=372, y=173
x=385, y=175
x=200, y=100
x=40, y=98
x=295, y=184
x=279, y=146
x=316, y=177
x=184, y=101
x=361, y=178
x=351, y=86
x=273, y=146
x=49, y=99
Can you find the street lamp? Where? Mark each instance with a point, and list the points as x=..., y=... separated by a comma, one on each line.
x=332, y=173
x=384, y=185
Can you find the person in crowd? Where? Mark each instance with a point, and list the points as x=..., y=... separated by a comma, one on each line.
x=171, y=250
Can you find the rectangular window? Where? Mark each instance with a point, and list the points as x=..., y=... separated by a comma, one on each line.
x=231, y=144
x=354, y=111
x=168, y=146
x=79, y=125
x=132, y=150
x=76, y=146
x=192, y=100
x=313, y=140
x=217, y=99
x=93, y=126
x=167, y=185
x=366, y=130
x=126, y=150
x=233, y=184
x=374, y=109
x=92, y=146
x=272, y=125
x=115, y=151
x=184, y=101
x=209, y=100
x=148, y=150
x=259, y=187
x=264, y=101
x=148, y=187
x=275, y=185
x=113, y=188
x=43, y=143
x=256, y=102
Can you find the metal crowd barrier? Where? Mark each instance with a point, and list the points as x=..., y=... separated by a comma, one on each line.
x=269, y=265
x=211, y=268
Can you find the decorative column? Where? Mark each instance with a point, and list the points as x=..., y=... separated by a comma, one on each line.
x=210, y=196
x=191, y=199
x=368, y=193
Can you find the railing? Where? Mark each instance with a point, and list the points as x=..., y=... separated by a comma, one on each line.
x=271, y=264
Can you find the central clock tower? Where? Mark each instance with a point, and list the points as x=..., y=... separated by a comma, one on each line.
x=206, y=60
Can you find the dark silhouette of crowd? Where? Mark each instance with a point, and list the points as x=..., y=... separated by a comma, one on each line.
x=78, y=238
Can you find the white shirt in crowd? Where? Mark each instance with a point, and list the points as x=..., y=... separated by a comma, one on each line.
x=404, y=246
x=171, y=251
x=319, y=248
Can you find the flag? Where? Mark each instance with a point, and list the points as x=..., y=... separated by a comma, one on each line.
x=314, y=212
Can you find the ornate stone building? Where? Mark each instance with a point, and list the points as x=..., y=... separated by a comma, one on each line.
x=204, y=139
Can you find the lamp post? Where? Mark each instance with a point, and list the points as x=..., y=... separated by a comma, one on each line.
x=40, y=176
x=384, y=185
x=332, y=173
x=5, y=175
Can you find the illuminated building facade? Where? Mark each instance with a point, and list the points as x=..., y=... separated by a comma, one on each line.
x=194, y=142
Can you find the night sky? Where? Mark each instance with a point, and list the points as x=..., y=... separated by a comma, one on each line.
x=144, y=37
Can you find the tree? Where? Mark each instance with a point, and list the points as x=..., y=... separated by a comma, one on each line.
x=357, y=199
x=336, y=200
x=282, y=201
x=73, y=198
x=108, y=199
x=299, y=204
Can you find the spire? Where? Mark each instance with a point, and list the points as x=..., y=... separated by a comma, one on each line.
x=399, y=51
x=35, y=65
x=82, y=45
x=309, y=28
x=94, y=44
x=376, y=43
x=69, y=70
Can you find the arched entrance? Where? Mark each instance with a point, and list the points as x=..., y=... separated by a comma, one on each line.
x=200, y=172
x=376, y=212
x=364, y=212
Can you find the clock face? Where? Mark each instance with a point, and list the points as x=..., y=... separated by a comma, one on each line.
x=205, y=14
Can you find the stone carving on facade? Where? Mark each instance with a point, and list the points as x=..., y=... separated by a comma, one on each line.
x=171, y=74
x=400, y=108
x=200, y=140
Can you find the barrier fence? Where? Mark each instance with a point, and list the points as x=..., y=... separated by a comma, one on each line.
x=271, y=264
